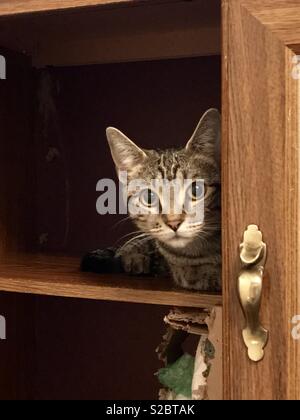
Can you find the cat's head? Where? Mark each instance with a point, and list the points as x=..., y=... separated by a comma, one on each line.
x=197, y=160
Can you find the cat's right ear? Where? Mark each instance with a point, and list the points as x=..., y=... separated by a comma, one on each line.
x=128, y=157
x=206, y=138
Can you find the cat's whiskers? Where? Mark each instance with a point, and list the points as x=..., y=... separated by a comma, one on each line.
x=191, y=228
x=126, y=236
x=155, y=230
x=121, y=221
x=211, y=228
x=138, y=239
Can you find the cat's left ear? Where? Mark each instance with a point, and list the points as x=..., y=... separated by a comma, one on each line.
x=207, y=136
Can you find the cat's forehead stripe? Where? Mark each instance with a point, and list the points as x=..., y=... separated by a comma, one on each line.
x=162, y=166
x=169, y=165
x=174, y=164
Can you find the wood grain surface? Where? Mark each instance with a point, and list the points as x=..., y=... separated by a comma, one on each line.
x=60, y=276
x=101, y=35
x=13, y=7
x=261, y=186
x=281, y=17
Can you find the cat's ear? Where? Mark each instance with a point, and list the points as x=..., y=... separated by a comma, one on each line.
x=207, y=136
x=126, y=154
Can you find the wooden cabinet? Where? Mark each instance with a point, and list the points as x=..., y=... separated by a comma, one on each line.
x=150, y=68
x=261, y=184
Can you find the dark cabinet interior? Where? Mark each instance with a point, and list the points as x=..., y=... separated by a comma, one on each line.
x=70, y=74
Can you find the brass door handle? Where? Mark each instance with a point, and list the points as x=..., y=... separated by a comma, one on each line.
x=253, y=254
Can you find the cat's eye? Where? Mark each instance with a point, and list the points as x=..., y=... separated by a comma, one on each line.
x=197, y=190
x=149, y=198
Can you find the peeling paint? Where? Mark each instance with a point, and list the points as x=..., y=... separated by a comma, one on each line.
x=214, y=379
x=205, y=323
x=199, y=384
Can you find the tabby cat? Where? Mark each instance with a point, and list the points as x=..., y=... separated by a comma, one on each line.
x=189, y=249
x=177, y=242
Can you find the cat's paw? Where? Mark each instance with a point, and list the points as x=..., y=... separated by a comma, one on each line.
x=135, y=263
x=101, y=261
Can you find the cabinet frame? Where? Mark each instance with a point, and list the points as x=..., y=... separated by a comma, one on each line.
x=261, y=171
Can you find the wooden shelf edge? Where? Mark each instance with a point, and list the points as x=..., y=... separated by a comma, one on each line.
x=59, y=276
x=116, y=32
x=171, y=298
x=19, y=7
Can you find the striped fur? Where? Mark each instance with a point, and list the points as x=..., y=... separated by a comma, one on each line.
x=192, y=254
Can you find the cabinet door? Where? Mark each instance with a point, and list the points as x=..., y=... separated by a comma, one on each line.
x=261, y=186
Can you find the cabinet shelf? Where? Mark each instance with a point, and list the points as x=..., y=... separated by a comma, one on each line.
x=15, y=7
x=60, y=276
x=71, y=34
x=74, y=67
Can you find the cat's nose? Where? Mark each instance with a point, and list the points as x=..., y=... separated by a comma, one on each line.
x=174, y=224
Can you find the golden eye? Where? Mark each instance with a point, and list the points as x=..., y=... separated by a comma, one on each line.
x=149, y=198
x=197, y=190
